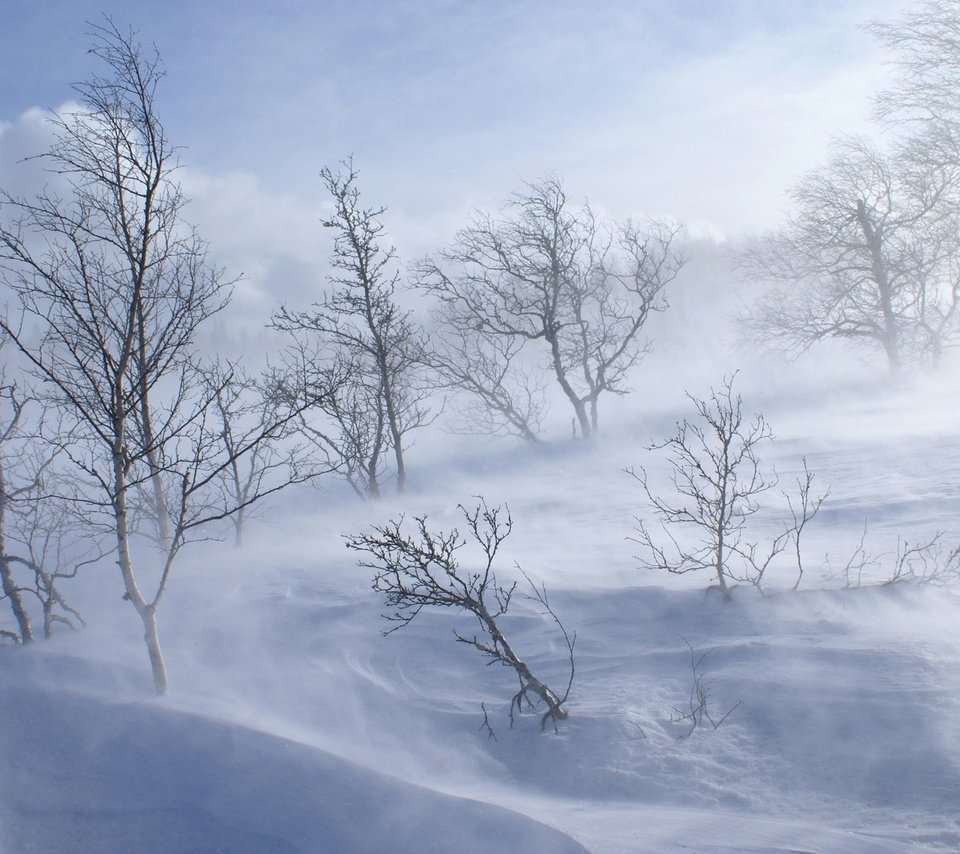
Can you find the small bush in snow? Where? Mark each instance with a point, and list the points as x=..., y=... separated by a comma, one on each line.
x=422, y=569
x=718, y=480
x=697, y=711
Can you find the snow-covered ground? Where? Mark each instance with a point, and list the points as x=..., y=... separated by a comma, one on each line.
x=294, y=726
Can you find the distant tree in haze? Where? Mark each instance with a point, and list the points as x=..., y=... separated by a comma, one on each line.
x=870, y=255
x=922, y=109
x=342, y=415
x=244, y=414
x=41, y=539
x=548, y=275
x=360, y=343
x=924, y=99
x=502, y=396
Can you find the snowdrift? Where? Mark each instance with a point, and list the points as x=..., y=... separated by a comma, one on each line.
x=293, y=725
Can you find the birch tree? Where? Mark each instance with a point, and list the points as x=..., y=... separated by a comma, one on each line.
x=256, y=449
x=360, y=343
x=112, y=286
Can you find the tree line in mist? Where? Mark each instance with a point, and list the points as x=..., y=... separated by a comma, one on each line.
x=119, y=441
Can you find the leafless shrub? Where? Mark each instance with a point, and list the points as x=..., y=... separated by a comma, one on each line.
x=852, y=571
x=803, y=507
x=718, y=480
x=422, y=569
x=929, y=562
x=697, y=709
x=486, y=725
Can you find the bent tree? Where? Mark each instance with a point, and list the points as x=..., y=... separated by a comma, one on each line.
x=112, y=286
x=423, y=569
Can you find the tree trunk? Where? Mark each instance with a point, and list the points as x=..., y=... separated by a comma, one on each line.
x=146, y=416
x=722, y=520
x=721, y=570
x=372, y=485
x=132, y=592
x=936, y=351
x=152, y=639
x=880, y=276
x=586, y=427
x=527, y=680
x=579, y=407
x=12, y=592
x=238, y=528
x=10, y=589
x=238, y=489
x=393, y=424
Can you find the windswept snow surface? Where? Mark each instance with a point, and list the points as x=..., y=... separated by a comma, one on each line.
x=294, y=726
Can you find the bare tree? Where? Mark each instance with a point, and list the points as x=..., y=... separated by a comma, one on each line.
x=922, y=109
x=549, y=273
x=372, y=346
x=870, y=256
x=342, y=415
x=718, y=479
x=925, y=46
x=40, y=543
x=423, y=570
x=245, y=409
x=113, y=285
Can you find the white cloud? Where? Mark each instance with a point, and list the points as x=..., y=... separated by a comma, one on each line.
x=702, y=112
x=25, y=137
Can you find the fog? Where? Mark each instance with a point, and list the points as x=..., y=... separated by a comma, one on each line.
x=296, y=721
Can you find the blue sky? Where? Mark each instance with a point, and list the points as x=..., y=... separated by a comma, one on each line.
x=703, y=110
